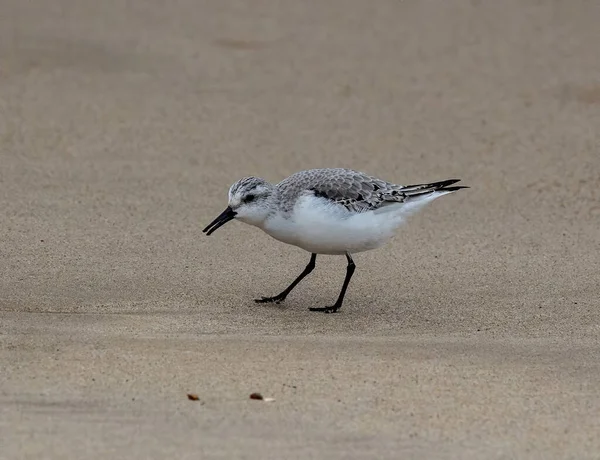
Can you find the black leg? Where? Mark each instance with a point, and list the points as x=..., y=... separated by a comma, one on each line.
x=281, y=297
x=338, y=304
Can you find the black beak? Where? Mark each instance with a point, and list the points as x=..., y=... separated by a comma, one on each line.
x=223, y=218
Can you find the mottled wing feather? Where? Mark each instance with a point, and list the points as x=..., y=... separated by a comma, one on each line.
x=354, y=190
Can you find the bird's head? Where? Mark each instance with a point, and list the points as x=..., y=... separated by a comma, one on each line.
x=248, y=202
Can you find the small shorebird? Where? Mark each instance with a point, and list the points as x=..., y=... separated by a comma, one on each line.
x=327, y=211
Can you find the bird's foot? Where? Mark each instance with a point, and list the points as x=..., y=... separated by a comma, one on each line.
x=276, y=299
x=332, y=309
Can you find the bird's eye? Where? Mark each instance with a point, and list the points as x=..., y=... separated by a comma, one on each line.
x=249, y=198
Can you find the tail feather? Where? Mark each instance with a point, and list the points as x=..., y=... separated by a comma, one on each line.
x=415, y=197
x=425, y=189
x=454, y=189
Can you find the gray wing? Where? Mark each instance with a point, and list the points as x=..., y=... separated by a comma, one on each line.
x=354, y=190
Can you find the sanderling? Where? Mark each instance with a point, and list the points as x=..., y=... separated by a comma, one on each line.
x=327, y=211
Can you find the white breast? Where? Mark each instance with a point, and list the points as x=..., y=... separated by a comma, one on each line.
x=317, y=226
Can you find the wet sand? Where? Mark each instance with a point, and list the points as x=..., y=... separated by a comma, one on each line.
x=473, y=334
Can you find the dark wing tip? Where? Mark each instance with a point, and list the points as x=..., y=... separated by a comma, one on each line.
x=445, y=183
x=431, y=187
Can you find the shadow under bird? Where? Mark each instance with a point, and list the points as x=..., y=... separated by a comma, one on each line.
x=327, y=211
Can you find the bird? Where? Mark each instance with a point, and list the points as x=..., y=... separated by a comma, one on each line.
x=327, y=211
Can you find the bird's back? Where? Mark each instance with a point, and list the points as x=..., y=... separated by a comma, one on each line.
x=355, y=190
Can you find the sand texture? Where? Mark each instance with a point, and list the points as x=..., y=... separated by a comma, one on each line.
x=474, y=334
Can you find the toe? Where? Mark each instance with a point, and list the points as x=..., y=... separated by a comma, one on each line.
x=325, y=309
x=269, y=300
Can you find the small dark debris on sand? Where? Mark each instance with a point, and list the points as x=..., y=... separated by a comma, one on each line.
x=260, y=397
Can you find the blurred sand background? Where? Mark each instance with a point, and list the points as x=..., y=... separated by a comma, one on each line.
x=474, y=334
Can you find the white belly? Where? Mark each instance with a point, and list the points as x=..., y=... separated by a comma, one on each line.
x=318, y=227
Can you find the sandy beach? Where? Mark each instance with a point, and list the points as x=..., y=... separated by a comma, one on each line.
x=474, y=334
